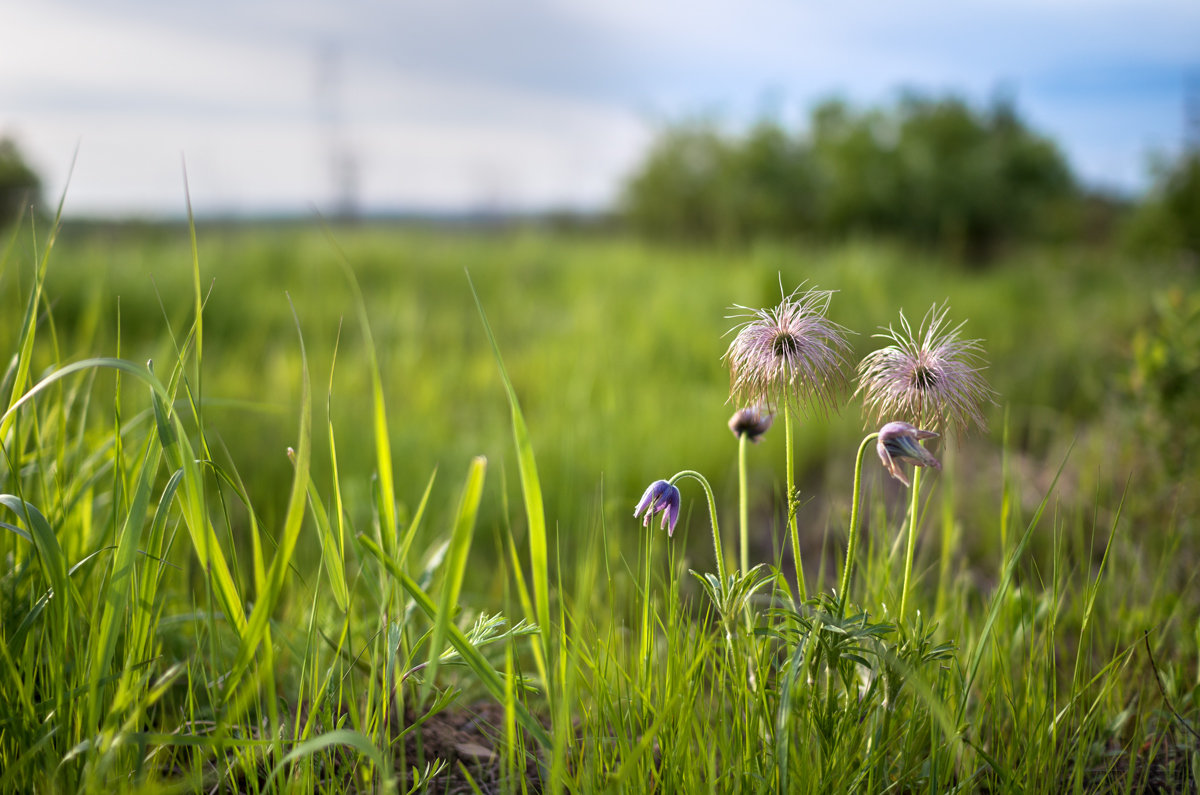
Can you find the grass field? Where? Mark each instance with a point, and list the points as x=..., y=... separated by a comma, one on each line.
x=443, y=588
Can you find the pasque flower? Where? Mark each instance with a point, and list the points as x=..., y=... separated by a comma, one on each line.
x=929, y=378
x=900, y=442
x=660, y=497
x=790, y=352
x=751, y=422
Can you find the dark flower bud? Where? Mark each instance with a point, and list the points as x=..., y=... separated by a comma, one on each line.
x=751, y=423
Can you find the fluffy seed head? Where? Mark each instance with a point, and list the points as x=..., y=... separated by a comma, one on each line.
x=931, y=378
x=790, y=353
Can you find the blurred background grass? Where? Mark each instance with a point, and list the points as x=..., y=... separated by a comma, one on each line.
x=614, y=345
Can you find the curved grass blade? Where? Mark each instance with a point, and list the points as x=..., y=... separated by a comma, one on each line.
x=180, y=457
x=347, y=737
x=531, y=488
x=45, y=542
x=471, y=656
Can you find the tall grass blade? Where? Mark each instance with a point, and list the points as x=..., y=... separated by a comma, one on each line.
x=256, y=630
x=1001, y=590
x=180, y=457
x=331, y=548
x=414, y=524
x=471, y=656
x=531, y=488
x=120, y=585
x=383, y=449
x=29, y=321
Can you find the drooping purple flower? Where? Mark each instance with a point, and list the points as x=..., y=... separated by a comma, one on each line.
x=790, y=352
x=660, y=497
x=900, y=442
x=751, y=422
x=929, y=378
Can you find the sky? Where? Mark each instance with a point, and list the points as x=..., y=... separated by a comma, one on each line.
x=482, y=105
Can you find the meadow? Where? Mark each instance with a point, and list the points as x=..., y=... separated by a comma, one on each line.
x=366, y=523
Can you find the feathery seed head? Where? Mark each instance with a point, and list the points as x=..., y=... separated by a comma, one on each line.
x=790, y=353
x=932, y=377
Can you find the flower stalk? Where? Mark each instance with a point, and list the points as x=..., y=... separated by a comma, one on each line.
x=911, y=542
x=748, y=424
x=743, y=508
x=793, y=527
x=712, y=514
x=852, y=541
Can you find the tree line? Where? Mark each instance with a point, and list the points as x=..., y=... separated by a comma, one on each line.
x=933, y=171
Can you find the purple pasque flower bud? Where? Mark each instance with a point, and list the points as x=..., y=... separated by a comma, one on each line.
x=900, y=442
x=751, y=422
x=660, y=497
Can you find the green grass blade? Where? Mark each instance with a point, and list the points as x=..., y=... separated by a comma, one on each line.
x=180, y=457
x=331, y=549
x=29, y=322
x=531, y=488
x=383, y=448
x=54, y=562
x=347, y=737
x=337, y=561
x=119, y=587
x=256, y=630
x=471, y=656
x=998, y=595
x=143, y=623
x=414, y=525
x=456, y=565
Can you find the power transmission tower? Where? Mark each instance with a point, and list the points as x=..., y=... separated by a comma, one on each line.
x=341, y=161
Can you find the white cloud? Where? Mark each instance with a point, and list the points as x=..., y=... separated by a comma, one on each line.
x=535, y=102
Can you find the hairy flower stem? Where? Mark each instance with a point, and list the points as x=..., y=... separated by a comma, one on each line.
x=647, y=626
x=743, y=506
x=912, y=540
x=793, y=530
x=852, y=541
x=712, y=515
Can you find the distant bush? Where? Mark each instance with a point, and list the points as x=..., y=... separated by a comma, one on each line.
x=933, y=171
x=19, y=185
x=1169, y=220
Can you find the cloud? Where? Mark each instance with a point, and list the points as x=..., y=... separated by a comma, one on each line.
x=540, y=101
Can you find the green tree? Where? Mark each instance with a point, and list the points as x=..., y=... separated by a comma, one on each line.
x=969, y=182
x=19, y=185
x=933, y=171
x=676, y=191
x=1169, y=219
x=859, y=180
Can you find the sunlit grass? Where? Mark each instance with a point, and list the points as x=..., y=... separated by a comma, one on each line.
x=213, y=576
